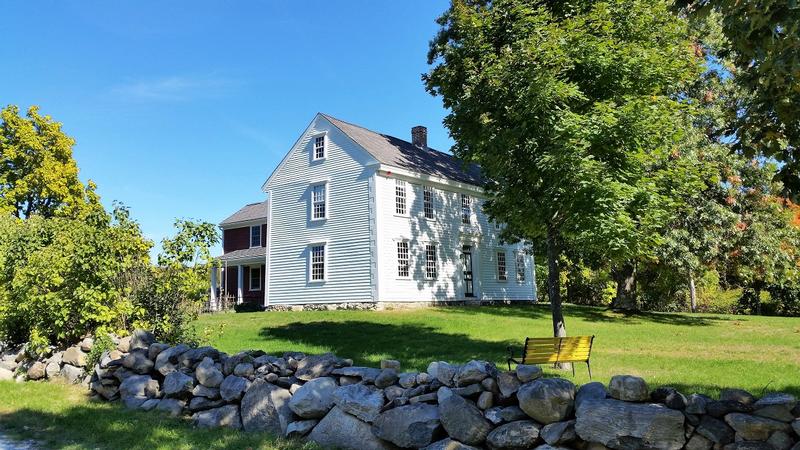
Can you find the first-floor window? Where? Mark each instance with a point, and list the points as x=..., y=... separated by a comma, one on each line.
x=402, y=259
x=318, y=206
x=520, y=266
x=430, y=261
x=317, y=265
x=502, y=275
x=255, y=278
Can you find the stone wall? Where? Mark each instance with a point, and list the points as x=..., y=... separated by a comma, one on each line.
x=327, y=400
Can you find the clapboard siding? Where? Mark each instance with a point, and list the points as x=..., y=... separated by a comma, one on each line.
x=447, y=231
x=347, y=169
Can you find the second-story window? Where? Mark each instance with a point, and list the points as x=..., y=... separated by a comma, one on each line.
x=502, y=274
x=520, y=266
x=319, y=147
x=402, y=260
x=430, y=261
x=466, y=209
x=319, y=206
x=400, y=197
x=255, y=236
x=427, y=201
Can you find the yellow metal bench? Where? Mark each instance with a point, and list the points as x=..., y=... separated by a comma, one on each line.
x=555, y=350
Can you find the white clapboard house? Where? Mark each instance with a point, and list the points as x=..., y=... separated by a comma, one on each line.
x=353, y=215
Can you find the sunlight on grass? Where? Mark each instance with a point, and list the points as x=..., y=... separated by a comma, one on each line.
x=699, y=353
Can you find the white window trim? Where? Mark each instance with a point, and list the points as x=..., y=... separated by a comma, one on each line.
x=497, y=264
x=311, y=246
x=327, y=201
x=250, y=281
x=260, y=237
x=436, y=262
x=433, y=202
x=397, y=260
x=325, y=147
x=405, y=198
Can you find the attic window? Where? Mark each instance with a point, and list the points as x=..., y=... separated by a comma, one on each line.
x=319, y=147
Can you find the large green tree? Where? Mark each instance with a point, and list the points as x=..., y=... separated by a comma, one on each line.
x=37, y=172
x=569, y=108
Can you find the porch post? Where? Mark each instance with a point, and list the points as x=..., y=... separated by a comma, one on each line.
x=213, y=296
x=239, y=284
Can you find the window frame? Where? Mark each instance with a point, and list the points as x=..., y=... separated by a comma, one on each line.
x=314, y=138
x=325, y=201
x=429, y=203
x=250, y=281
x=311, y=247
x=502, y=276
x=466, y=209
x=259, y=236
x=519, y=256
x=428, y=261
x=398, y=244
x=401, y=184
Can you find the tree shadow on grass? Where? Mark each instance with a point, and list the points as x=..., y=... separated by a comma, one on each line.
x=367, y=342
x=109, y=426
x=587, y=313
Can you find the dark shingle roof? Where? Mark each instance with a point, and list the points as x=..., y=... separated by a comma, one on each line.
x=396, y=152
x=253, y=211
x=255, y=252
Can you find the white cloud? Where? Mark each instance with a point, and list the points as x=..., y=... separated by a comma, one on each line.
x=175, y=88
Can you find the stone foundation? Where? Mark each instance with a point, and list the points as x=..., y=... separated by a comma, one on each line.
x=325, y=399
x=381, y=306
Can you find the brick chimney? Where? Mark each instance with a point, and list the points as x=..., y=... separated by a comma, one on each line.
x=419, y=136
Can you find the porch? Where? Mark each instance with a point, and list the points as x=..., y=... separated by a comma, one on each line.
x=239, y=278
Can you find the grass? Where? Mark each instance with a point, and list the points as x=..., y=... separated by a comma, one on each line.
x=694, y=353
x=55, y=415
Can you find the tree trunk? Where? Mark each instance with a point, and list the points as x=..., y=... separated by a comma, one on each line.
x=625, y=276
x=553, y=282
x=758, y=298
x=554, y=288
x=692, y=292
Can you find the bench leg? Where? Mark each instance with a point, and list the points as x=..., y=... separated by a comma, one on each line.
x=573, y=369
x=589, y=367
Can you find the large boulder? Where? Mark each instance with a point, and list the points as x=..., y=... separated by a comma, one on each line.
x=590, y=391
x=167, y=360
x=364, y=402
x=52, y=370
x=36, y=371
x=473, y=372
x=341, y=430
x=265, y=407
x=317, y=366
x=314, y=399
x=715, y=430
x=74, y=356
x=408, y=426
x=515, y=435
x=224, y=416
x=208, y=374
x=776, y=406
x=508, y=383
x=547, y=400
x=138, y=361
x=233, y=388
x=155, y=349
x=461, y=419
x=192, y=357
x=178, y=385
x=621, y=425
x=71, y=373
x=628, y=388
x=754, y=428
x=737, y=395
x=141, y=339
x=136, y=389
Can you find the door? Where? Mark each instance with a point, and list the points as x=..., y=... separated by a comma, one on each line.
x=466, y=261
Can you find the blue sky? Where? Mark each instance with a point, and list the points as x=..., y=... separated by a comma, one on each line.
x=182, y=109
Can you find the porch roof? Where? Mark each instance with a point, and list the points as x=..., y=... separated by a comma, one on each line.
x=244, y=254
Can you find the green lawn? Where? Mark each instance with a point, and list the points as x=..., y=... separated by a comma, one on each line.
x=694, y=353
x=54, y=415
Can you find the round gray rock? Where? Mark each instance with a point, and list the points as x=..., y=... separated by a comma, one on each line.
x=547, y=400
x=514, y=435
x=265, y=407
x=314, y=399
x=628, y=388
x=408, y=426
x=461, y=419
